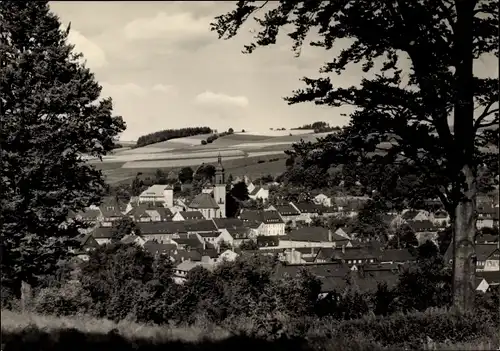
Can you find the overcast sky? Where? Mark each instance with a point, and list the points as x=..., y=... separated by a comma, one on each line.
x=165, y=69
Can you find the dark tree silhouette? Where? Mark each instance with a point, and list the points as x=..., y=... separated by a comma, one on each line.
x=240, y=191
x=404, y=112
x=186, y=175
x=404, y=238
x=123, y=227
x=51, y=114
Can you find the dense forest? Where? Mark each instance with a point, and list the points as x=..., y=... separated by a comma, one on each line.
x=167, y=134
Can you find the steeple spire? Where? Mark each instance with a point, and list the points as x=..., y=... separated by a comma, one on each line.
x=219, y=159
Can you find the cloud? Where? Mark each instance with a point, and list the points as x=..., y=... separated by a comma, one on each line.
x=211, y=99
x=92, y=53
x=172, y=26
x=169, y=89
x=132, y=90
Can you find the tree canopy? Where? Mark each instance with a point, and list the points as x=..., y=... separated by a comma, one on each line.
x=418, y=61
x=168, y=134
x=51, y=115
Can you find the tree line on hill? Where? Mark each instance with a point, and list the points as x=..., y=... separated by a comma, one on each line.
x=168, y=134
x=318, y=127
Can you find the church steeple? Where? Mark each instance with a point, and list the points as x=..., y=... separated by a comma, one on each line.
x=219, y=171
x=220, y=187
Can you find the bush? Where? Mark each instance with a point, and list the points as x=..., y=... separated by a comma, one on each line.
x=69, y=299
x=261, y=161
x=203, y=142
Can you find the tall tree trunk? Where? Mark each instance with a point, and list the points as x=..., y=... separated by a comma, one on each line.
x=463, y=159
x=464, y=251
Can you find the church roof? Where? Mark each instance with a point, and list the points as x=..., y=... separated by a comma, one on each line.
x=204, y=200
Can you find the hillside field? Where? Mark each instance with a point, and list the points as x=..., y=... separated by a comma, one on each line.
x=251, y=153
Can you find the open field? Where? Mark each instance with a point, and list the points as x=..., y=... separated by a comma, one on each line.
x=241, y=153
x=120, y=172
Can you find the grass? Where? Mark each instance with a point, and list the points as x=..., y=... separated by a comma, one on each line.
x=31, y=331
x=13, y=321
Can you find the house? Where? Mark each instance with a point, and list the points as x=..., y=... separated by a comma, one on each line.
x=248, y=183
x=415, y=215
x=146, y=212
x=343, y=232
x=102, y=235
x=488, y=258
x=236, y=236
x=209, y=237
x=486, y=280
x=312, y=237
x=110, y=215
x=264, y=242
x=271, y=222
x=308, y=209
x=326, y=211
x=322, y=199
x=334, y=276
x=259, y=192
x=188, y=216
x=424, y=230
x=161, y=232
x=487, y=216
x=182, y=269
x=349, y=206
x=155, y=248
x=89, y=216
x=355, y=255
x=224, y=223
x=441, y=218
x=286, y=211
x=158, y=194
x=133, y=239
x=399, y=256
x=292, y=256
x=188, y=241
x=87, y=243
x=200, y=226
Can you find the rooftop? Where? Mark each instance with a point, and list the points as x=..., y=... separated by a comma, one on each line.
x=204, y=201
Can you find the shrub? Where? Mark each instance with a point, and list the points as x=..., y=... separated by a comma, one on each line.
x=261, y=161
x=69, y=299
x=203, y=142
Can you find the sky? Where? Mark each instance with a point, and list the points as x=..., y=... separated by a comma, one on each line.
x=165, y=69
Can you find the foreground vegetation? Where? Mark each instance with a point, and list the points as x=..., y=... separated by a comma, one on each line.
x=250, y=299
x=417, y=331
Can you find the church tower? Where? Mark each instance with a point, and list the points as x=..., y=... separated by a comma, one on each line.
x=220, y=187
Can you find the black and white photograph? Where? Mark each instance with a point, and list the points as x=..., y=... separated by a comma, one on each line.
x=249, y=175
